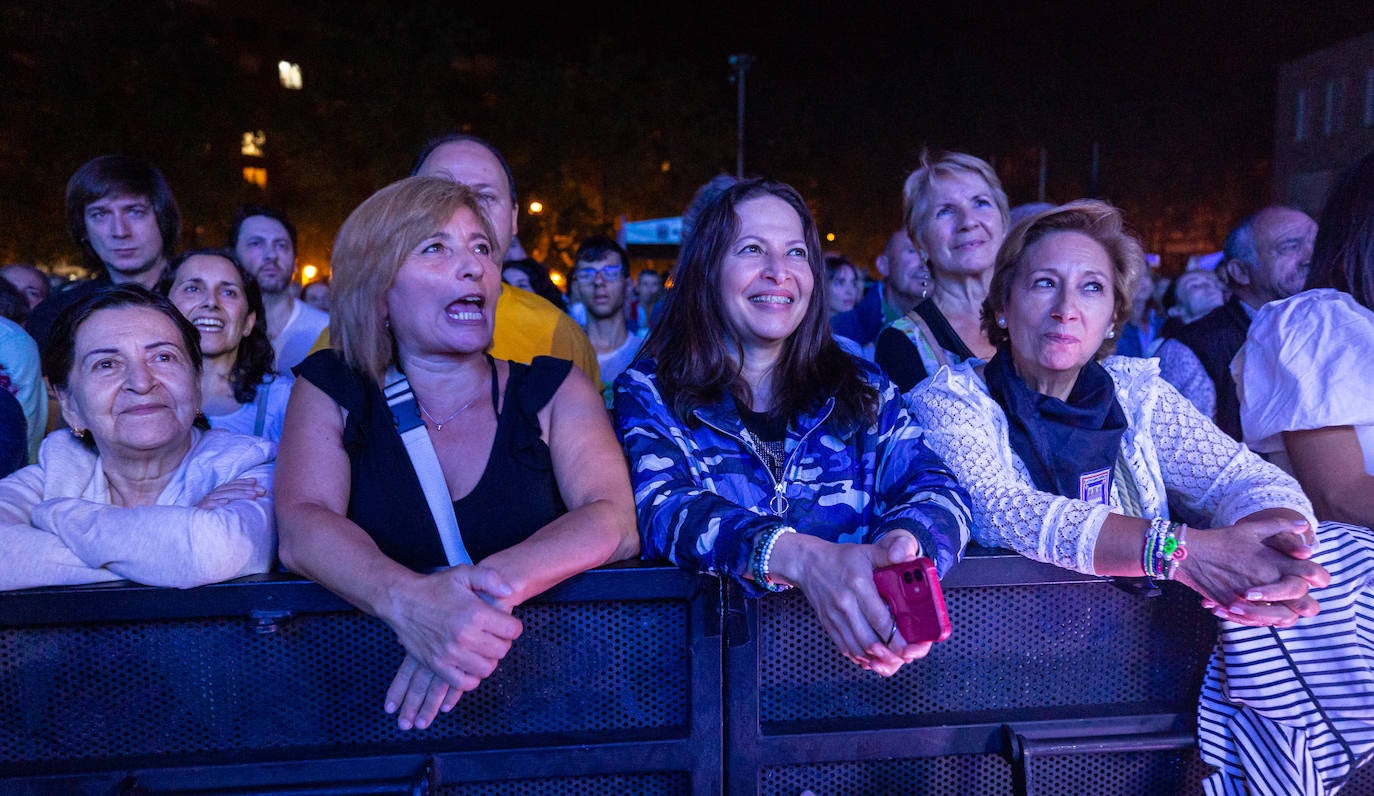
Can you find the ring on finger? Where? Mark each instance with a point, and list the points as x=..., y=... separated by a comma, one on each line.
x=891, y=633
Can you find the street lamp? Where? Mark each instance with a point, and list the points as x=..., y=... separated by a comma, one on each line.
x=740, y=63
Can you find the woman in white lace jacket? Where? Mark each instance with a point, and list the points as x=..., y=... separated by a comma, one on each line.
x=1080, y=470
x=1074, y=461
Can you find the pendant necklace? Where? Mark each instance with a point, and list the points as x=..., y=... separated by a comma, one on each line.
x=439, y=424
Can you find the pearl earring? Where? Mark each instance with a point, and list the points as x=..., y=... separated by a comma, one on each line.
x=1001, y=323
x=1111, y=333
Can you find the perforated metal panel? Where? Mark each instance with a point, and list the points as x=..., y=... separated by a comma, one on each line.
x=1012, y=647
x=658, y=784
x=169, y=688
x=962, y=775
x=1119, y=773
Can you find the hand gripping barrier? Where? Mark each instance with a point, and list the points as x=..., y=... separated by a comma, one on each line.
x=635, y=678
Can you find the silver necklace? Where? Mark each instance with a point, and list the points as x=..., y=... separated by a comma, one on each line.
x=439, y=424
x=770, y=452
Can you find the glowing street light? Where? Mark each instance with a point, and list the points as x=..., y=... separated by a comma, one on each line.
x=536, y=208
x=309, y=272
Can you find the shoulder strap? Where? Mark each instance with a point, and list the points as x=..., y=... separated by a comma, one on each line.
x=261, y=422
x=406, y=414
x=932, y=354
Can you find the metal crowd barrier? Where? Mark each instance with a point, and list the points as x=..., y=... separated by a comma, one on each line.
x=634, y=679
x=273, y=685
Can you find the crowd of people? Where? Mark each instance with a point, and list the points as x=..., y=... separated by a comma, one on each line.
x=456, y=435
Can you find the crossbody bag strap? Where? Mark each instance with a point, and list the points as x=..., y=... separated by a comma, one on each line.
x=420, y=449
x=932, y=355
x=261, y=422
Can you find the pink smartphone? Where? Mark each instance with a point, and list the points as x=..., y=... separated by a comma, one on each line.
x=912, y=592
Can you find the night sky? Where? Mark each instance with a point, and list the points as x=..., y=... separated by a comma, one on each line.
x=1179, y=102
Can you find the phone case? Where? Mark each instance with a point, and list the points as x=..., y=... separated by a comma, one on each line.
x=913, y=594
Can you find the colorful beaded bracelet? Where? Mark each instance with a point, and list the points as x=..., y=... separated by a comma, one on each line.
x=763, y=551
x=1165, y=546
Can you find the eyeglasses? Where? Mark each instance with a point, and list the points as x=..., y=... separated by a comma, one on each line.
x=610, y=273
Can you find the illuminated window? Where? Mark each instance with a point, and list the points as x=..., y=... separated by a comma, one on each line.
x=290, y=75
x=255, y=176
x=253, y=142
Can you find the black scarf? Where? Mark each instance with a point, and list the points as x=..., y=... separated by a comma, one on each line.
x=1069, y=447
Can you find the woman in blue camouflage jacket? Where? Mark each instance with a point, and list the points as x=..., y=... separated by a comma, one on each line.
x=760, y=451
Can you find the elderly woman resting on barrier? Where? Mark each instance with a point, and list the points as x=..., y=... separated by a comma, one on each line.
x=1075, y=461
x=424, y=481
x=133, y=490
x=762, y=452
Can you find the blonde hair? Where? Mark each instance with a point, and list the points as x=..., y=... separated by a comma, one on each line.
x=368, y=252
x=921, y=183
x=1099, y=221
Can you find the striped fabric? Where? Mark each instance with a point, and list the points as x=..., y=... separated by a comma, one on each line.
x=1291, y=711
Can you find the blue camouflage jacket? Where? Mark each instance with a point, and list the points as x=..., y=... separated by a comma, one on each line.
x=702, y=493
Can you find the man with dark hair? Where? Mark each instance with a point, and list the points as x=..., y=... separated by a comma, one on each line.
x=264, y=240
x=122, y=214
x=602, y=269
x=526, y=325
x=1264, y=259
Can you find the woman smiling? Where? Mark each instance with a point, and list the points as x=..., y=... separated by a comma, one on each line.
x=240, y=391
x=133, y=489
x=762, y=452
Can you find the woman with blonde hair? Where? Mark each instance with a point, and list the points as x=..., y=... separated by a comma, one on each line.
x=957, y=216
x=426, y=482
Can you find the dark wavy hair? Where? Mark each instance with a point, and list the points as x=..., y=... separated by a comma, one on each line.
x=255, y=360
x=1343, y=256
x=697, y=363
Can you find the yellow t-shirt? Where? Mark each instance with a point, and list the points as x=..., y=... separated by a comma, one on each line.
x=528, y=326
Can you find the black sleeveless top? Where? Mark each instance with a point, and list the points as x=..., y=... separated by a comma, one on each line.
x=515, y=496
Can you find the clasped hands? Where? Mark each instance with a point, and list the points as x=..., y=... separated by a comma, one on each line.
x=1255, y=572
x=456, y=626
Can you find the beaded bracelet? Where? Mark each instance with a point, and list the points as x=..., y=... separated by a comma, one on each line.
x=1165, y=546
x=1175, y=549
x=763, y=551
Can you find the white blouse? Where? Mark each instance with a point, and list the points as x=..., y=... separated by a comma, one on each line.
x=1170, y=448
x=1307, y=363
